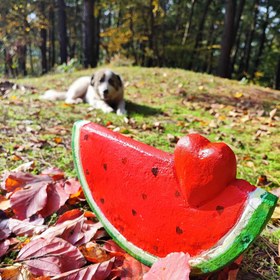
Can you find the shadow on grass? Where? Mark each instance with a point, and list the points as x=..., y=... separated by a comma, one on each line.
x=144, y=110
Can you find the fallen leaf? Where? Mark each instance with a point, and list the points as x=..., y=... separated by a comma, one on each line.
x=72, y=227
x=57, y=140
x=272, y=113
x=238, y=95
x=276, y=192
x=26, y=227
x=276, y=213
x=4, y=226
x=54, y=172
x=94, y=252
x=4, y=203
x=72, y=186
x=56, y=197
x=173, y=266
x=14, y=180
x=4, y=246
x=27, y=166
x=133, y=269
x=230, y=272
x=94, y=271
x=29, y=201
x=50, y=257
x=15, y=272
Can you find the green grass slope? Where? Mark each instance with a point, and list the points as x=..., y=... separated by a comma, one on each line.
x=163, y=104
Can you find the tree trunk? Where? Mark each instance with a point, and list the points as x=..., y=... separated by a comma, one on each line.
x=51, y=50
x=248, y=46
x=43, y=43
x=199, y=33
x=188, y=24
x=43, y=48
x=31, y=58
x=227, y=40
x=62, y=31
x=277, y=76
x=131, y=27
x=90, y=35
x=236, y=50
x=151, y=42
x=261, y=41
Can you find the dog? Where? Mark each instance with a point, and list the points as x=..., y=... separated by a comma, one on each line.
x=104, y=90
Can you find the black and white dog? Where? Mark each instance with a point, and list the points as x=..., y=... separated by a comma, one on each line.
x=104, y=90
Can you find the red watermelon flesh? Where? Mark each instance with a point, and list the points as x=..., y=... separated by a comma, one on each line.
x=156, y=202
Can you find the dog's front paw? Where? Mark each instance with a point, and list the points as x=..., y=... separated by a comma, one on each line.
x=121, y=111
x=73, y=101
x=107, y=110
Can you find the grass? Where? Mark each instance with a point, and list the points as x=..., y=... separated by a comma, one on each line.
x=163, y=104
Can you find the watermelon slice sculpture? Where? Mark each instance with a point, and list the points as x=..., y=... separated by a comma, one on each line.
x=153, y=203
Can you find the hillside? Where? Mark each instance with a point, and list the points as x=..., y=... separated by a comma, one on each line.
x=163, y=104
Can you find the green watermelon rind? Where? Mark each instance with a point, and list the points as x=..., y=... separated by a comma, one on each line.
x=257, y=212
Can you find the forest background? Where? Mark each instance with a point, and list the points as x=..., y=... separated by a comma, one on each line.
x=232, y=38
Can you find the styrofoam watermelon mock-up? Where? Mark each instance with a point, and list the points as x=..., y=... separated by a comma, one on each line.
x=153, y=203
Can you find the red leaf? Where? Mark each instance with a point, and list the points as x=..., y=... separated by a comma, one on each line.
x=29, y=201
x=230, y=272
x=27, y=227
x=173, y=266
x=133, y=269
x=14, y=180
x=54, y=172
x=4, y=246
x=4, y=227
x=77, y=230
x=98, y=271
x=42, y=197
x=50, y=257
x=94, y=253
x=56, y=197
x=69, y=215
x=72, y=186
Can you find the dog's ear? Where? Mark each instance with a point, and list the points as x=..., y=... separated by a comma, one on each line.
x=119, y=80
x=92, y=80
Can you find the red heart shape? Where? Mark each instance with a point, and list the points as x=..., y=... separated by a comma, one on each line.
x=203, y=168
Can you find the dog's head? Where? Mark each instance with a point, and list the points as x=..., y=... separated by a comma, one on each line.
x=107, y=84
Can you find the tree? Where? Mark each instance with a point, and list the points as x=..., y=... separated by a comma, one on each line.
x=227, y=40
x=43, y=33
x=62, y=31
x=90, y=34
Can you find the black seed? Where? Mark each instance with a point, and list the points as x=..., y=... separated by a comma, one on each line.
x=134, y=213
x=220, y=209
x=105, y=166
x=87, y=172
x=179, y=230
x=155, y=171
x=144, y=196
x=124, y=160
x=177, y=194
x=102, y=200
x=86, y=137
x=155, y=248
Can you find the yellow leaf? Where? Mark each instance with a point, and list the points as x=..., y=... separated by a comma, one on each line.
x=276, y=213
x=238, y=94
x=57, y=140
